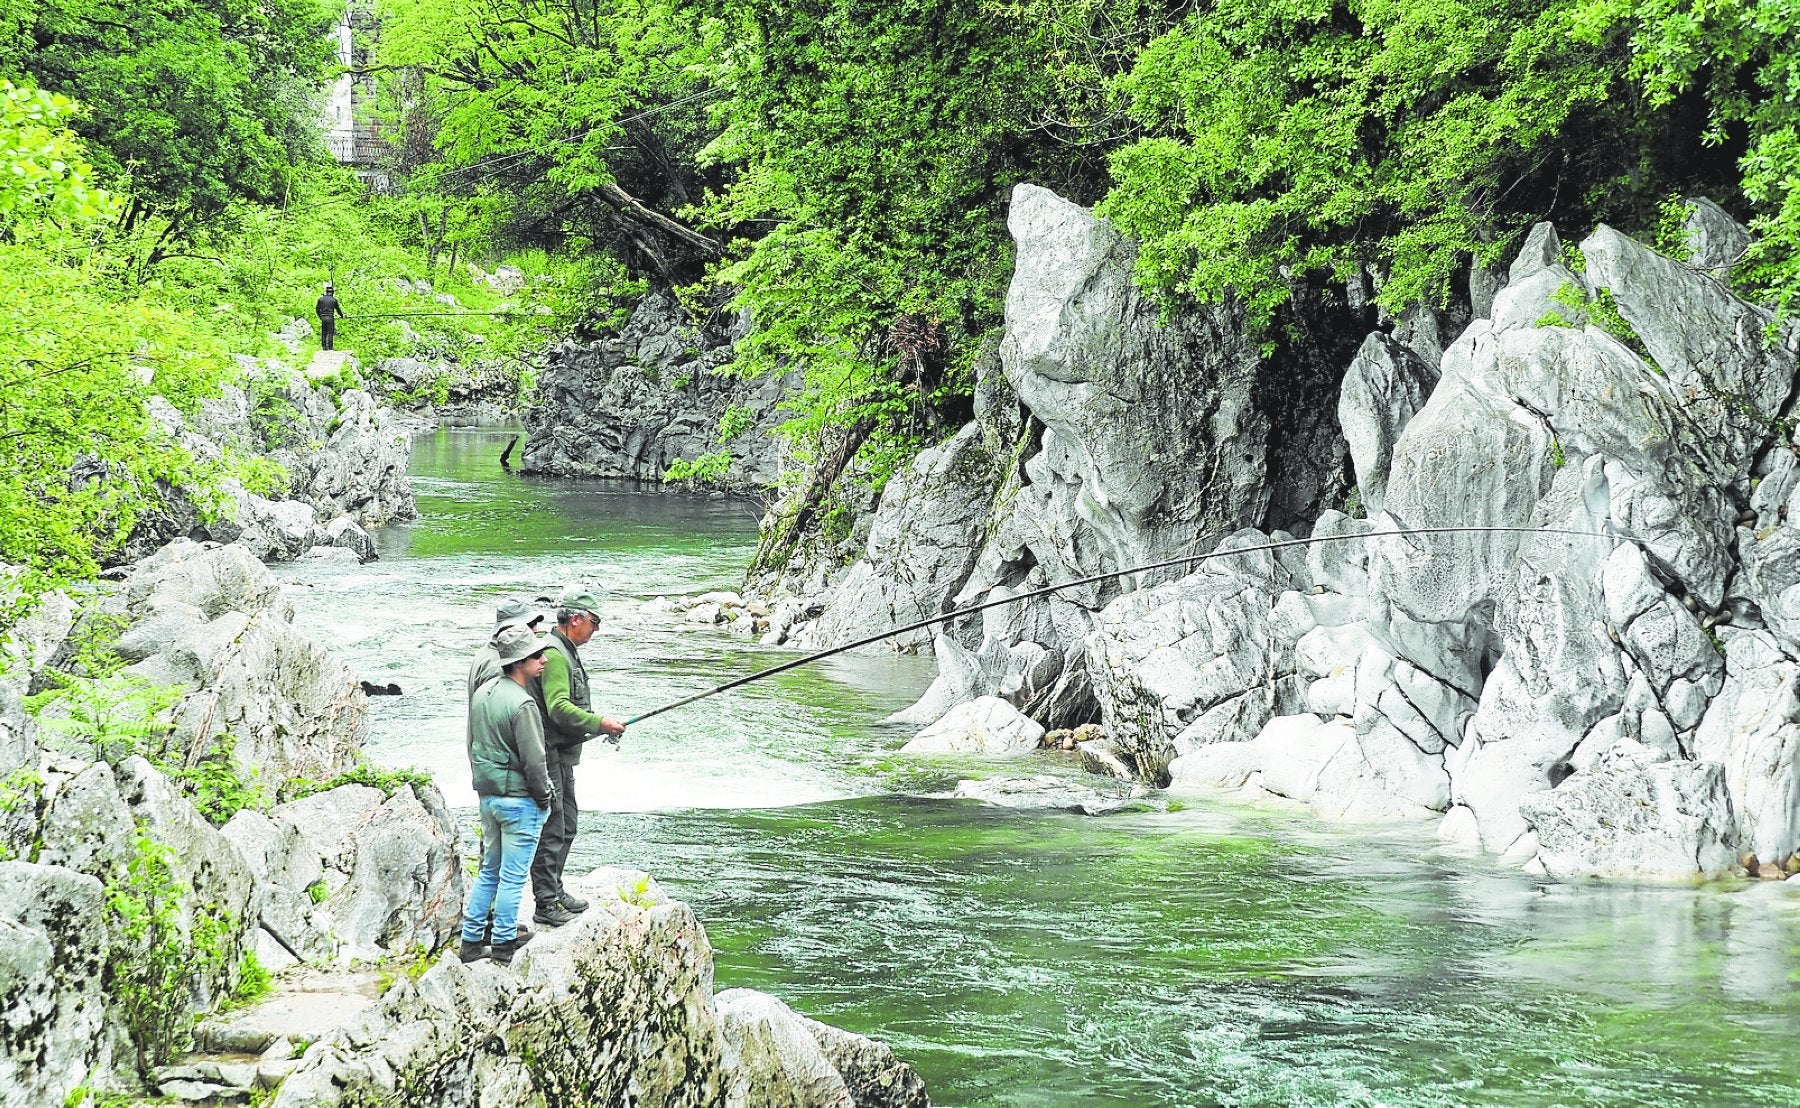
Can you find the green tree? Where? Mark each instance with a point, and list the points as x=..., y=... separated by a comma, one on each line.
x=190, y=104
x=581, y=118
x=1741, y=61
x=1306, y=137
x=80, y=456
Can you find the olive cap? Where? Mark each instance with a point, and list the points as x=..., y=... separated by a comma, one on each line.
x=579, y=599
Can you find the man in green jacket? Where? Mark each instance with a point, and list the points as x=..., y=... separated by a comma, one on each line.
x=512, y=612
x=512, y=778
x=569, y=721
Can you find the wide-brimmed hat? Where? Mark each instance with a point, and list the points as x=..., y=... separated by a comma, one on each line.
x=577, y=598
x=514, y=612
x=515, y=644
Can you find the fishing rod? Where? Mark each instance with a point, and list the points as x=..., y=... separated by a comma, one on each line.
x=1184, y=560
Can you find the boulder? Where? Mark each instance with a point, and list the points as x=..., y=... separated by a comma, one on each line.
x=779, y=1064
x=274, y=530
x=875, y=1076
x=1752, y=732
x=1383, y=389
x=1197, y=661
x=921, y=547
x=345, y=532
x=1639, y=813
x=987, y=725
x=391, y=864
x=615, y=1007
x=53, y=946
x=1344, y=775
x=1045, y=791
x=212, y=623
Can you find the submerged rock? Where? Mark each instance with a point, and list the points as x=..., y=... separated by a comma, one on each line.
x=1059, y=793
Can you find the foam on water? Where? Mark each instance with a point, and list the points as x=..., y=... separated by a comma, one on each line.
x=416, y=616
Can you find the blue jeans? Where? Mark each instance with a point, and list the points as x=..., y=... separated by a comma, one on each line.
x=509, y=835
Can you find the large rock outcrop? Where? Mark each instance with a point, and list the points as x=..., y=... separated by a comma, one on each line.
x=1595, y=682
x=211, y=623
x=633, y=404
x=1608, y=624
x=615, y=1008
x=125, y=911
x=1107, y=436
x=344, y=454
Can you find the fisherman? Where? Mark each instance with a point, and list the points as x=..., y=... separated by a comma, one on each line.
x=512, y=780
x=512, y=612
x=569, y=721
x=328, y=317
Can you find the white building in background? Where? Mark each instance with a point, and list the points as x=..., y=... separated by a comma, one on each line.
x=352, y=133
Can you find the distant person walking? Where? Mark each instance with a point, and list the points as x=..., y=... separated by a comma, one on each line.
x=329, y=312
x=512, y=779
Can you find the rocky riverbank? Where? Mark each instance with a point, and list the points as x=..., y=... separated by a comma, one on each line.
x=333, y=463
x=1611, y=702
x=651, y=398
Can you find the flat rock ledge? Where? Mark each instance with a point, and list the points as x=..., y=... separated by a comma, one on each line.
x=615, y=1008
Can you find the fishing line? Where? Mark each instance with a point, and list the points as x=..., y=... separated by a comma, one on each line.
x=1185, y=560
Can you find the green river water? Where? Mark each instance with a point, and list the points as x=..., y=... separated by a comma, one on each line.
x=1223, y=953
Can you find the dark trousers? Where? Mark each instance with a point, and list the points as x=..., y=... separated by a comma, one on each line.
x=327, y=334
x=558, y=835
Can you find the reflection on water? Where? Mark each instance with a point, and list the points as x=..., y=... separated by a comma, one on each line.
x=1221, y=954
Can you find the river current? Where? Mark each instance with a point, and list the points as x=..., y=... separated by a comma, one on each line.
x=1219, y=953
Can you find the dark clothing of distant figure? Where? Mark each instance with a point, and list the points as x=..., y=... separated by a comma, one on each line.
x=328, y=317
x=569, y=721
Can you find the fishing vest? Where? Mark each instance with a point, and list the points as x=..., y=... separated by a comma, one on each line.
x=567, y=743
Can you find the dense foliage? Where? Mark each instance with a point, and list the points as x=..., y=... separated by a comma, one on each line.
x=1303, y=136
x=190, y=104
x=838, y=169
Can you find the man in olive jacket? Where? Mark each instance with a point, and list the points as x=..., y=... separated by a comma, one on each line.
x=569, y=720
x=512, y=778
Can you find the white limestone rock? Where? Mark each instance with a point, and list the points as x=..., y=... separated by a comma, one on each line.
x=778, y=1063
x=1384, y=388
x=1343, y=775
x=212, y=622
x=615, y=1007
x=922, y=545
x=987, y=725
x=53, y=945
x=1752, y=730
x=1049, y=792
x=1638, y=813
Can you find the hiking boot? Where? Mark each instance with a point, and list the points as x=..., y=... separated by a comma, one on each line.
x=471, y=952
x=572, y=903
x=550, y=915
x=503, y=952
x=523, y=934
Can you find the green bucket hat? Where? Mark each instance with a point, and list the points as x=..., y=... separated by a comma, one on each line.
x=515, y=644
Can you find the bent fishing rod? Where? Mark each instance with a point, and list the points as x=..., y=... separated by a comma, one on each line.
x=1184, y=560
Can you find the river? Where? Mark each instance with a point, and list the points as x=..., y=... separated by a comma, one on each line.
x=1220, y=953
